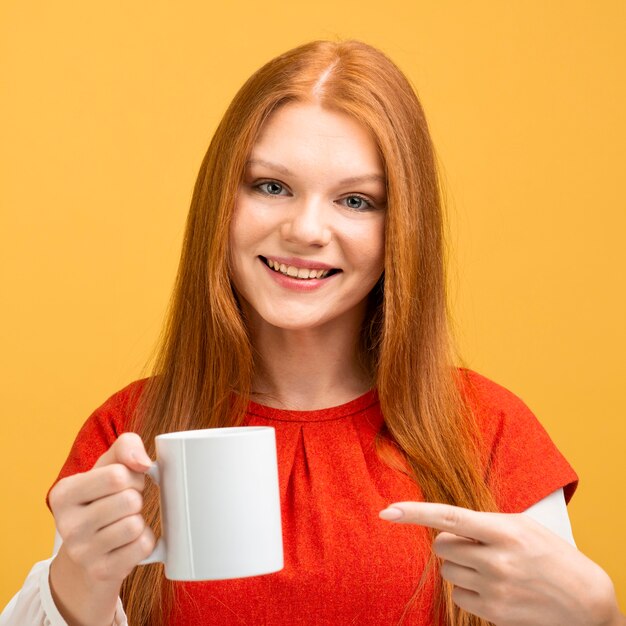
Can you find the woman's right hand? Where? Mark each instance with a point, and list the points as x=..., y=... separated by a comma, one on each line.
x=98, y=515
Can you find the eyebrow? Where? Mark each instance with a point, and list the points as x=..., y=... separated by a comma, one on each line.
x=346, y=181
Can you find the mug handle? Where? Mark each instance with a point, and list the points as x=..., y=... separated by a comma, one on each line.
x=158, y=554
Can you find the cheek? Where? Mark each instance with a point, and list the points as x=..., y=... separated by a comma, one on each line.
x=250, y=224
x=238, y=244
x=368, y=250
x=242, y=231
x=379, y=246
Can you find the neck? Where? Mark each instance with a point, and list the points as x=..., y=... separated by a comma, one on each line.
x=307, y=369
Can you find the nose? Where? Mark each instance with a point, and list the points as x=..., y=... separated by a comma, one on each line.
x=307, y=224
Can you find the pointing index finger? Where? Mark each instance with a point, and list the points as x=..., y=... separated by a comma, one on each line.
x=477, y=525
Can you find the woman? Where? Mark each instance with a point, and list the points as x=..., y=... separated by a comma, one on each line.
x=312, y=277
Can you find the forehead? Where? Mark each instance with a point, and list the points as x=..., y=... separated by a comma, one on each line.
x=308, y=135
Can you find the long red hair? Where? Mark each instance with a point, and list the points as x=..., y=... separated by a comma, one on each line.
x=204, y=370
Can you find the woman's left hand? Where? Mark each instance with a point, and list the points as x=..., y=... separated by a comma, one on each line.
x=511, y=570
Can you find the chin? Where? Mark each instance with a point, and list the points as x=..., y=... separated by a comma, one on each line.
x=294, y=324
x=286, y=316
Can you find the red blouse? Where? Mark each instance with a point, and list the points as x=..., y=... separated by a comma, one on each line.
x=344, y=565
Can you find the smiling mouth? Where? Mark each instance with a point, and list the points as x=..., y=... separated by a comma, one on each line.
x=301, y=273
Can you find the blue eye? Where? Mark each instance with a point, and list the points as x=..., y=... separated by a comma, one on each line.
x=271, y=188
x=357, y=203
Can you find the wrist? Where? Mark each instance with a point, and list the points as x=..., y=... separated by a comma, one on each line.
x=605, y=604
x=80, y=600
x=618, y=620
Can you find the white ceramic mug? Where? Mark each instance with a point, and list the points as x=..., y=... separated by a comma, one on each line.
x=220, y=503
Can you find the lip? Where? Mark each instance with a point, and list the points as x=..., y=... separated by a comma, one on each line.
x=295, y=284
x=301, y=263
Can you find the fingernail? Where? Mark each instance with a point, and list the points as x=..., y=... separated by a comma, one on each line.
x=391, y=514
x=142, y=459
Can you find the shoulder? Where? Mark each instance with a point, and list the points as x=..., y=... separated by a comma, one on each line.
x=102, y=428
x=113, y=416
x=122, y=404
x=495, y=408
x=519, y=453
x=488, y=397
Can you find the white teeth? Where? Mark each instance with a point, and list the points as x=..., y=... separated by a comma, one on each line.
x=297, y=272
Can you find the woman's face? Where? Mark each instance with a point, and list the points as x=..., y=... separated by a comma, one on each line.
x=307, y=235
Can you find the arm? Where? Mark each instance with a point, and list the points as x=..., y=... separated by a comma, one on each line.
x=98, y=514
x=33, y=604
x=513, y=571
x=551, y=512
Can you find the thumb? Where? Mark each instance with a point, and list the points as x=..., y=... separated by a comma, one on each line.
x=129, y=450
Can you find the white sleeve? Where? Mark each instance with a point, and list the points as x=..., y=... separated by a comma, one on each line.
x=552, y=513
x=33, y=605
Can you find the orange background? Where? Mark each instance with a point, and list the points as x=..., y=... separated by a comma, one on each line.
x=107, y=110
